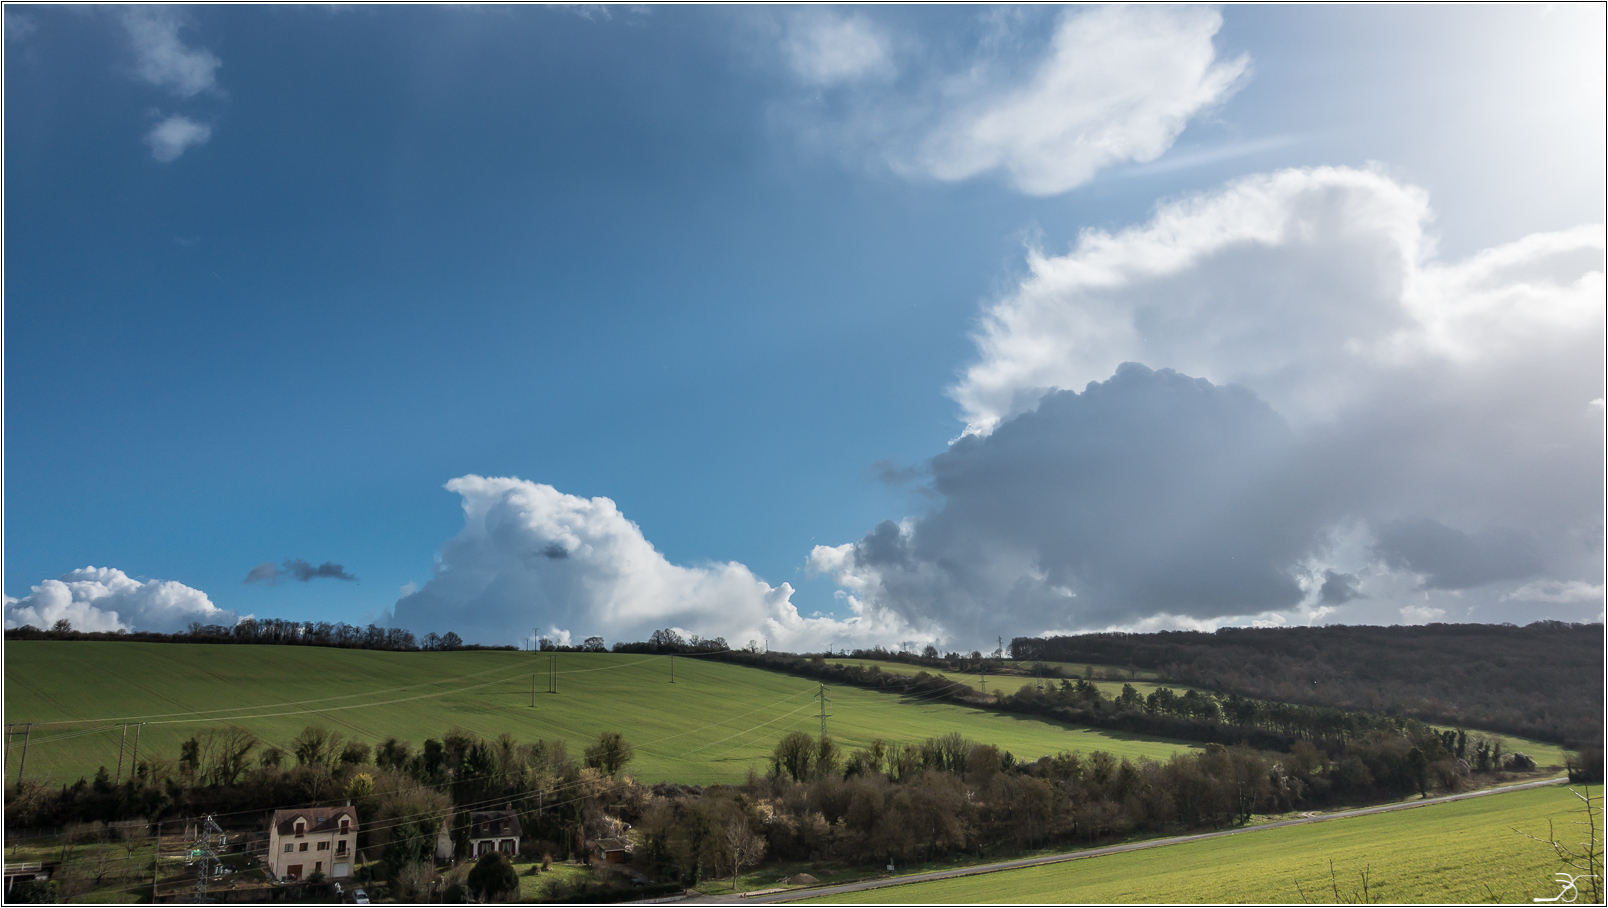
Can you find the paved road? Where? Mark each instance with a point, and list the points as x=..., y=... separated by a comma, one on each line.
x=796, y=894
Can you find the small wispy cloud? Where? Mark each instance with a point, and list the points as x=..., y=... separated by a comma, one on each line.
x=1557, y=591
x=296, y=569
x=825, y=49
x=1181, y=159
x=1111, y=86
x=173, y=136
x=18, y=26
x=1118, y=84
x=892, y=473
x=161, y=56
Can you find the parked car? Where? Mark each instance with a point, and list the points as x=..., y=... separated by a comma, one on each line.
x=359, y=897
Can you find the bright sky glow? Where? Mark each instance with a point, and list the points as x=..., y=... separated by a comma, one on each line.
x=803, y=323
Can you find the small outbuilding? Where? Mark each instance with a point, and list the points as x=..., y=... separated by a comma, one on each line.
x=613, y=851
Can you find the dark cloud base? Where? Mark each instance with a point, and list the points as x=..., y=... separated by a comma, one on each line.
x=297, y=569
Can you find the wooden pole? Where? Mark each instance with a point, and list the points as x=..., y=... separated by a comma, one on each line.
x=27, y=730
x=121, y=745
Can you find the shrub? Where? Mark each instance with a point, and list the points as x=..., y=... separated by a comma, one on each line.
x=493, y=877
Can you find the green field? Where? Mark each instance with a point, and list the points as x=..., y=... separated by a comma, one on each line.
x=1463, y=851
x=1017, y=675
x=712, y=725
x=1545, y=754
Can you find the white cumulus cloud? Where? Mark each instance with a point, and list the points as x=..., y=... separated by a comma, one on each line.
x=106, y=599
x=530, y=556
x=170, y=138
x=1422, y=614
x=1304, y=285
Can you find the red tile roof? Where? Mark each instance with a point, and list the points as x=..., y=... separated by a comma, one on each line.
x=319, y=819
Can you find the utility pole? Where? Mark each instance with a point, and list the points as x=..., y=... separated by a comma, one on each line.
x=122, y=743
x=982, y=675
x=824, y=700
x=532, y=689
x=552, y=673
x=155, y=852
x=134, y=761
x=27, y=730
x=672, y=668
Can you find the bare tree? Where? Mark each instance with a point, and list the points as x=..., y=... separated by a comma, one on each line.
x=316, y=746
x=742, y=848
x=132, y=833
x=1584, y=857
x=412, y=882
x=225, y=753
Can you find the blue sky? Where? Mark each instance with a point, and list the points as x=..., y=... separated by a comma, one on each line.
x=275, y=275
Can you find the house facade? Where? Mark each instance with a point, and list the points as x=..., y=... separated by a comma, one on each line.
x=493, y=830
x=312, y=840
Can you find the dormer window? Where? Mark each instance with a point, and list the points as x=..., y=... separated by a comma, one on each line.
x=301, y=828
x=346, y=825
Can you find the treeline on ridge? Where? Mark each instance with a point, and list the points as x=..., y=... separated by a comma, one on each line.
x=270, y=631
x=1541, y=681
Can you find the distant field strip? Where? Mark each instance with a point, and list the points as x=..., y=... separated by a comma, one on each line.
x=1010, y=684
x=1545, y=754
x=715, y=722
x=1462, y=851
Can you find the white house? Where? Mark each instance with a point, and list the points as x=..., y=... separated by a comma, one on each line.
x=311, y=840
x=493, y=830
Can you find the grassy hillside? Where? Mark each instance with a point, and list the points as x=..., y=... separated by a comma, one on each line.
x=1544, y=753
x=714, y=723
x=1464, y=851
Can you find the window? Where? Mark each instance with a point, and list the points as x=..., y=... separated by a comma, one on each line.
x=323, y=846
x=340, y=847
x=289, y=847
x=303, y=847
x=317, y=866
x=301, y=827
x=346, y=825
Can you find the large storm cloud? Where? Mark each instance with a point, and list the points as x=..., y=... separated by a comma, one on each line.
x=1356, y=430
x=1142, y=494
